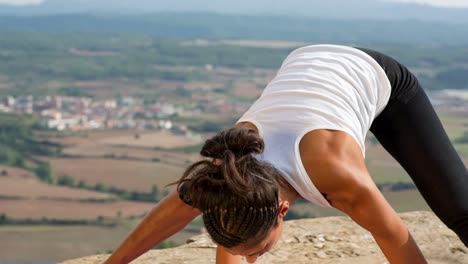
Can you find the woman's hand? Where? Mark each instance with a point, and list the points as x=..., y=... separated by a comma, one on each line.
x=167, y=218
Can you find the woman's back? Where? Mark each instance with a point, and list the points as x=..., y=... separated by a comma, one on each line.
x=317, y=87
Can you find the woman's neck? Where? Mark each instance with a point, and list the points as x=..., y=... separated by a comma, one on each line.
x=288, y=194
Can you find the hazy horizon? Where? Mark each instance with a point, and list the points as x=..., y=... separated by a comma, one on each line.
x=435, y=3
x=395, y=10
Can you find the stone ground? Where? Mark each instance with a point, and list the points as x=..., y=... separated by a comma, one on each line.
x=321, y=240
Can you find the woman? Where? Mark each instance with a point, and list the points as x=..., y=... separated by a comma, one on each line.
x=304, y=137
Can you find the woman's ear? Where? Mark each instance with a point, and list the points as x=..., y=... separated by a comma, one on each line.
x=283, y=208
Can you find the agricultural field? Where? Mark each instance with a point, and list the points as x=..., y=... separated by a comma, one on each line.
x=32, y=188
x=249, y=90
x=94, y=161
x=127, y=138
x=123, y=174
x=384, y=169
x=454, y=123
x=132, y=153
x=51, y=244
x=16, y=173
x=23, y=196
x=72, y=210
x=122, y=145
x=162, y=139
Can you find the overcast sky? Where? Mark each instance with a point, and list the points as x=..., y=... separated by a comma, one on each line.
x=21, y=2
x=448, y=3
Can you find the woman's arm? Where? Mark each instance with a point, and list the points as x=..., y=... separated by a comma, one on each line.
x=336, y=166
x=370, y=210
x=167, y=218
x=224, y=257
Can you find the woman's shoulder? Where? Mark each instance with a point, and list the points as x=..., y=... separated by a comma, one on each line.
x=332, y=159
x=328, y=144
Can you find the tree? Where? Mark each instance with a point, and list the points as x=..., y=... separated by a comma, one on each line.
x=207, y=126
x=155, y=192
x=3, y=218
x=100, y=187
x=19, y=162
x=44, y=172
x=66, y=180
x=81, y=184
x=401, y=186
x=183, y=92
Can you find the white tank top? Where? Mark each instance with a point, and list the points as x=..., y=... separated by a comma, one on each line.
x=317, y=87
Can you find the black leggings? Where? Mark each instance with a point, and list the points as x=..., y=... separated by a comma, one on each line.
x=409, y=129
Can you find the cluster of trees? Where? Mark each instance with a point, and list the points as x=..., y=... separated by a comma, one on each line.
x=99, y=221
x=463, y=139
x=396, y=186
x=20, y=147
x=171, y=25
x=207, y=127
x=124, y=56
x=44, y=172
x=154, y=195
x=19, y=144
x=32, y=58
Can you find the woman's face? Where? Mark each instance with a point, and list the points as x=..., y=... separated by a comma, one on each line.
x=251, y=254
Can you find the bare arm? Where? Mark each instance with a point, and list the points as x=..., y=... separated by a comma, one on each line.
x=370, y=210
x=167, y=218
x=336, y=166
x=224, y=257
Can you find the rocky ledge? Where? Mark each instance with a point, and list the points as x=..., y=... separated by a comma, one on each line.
x=321, y=240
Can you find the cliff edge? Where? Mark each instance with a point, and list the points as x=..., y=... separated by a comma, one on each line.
x=321, y=240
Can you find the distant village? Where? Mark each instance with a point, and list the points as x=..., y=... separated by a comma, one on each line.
x=450, y=100
x=83, y=113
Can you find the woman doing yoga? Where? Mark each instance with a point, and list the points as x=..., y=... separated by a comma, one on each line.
x=304, y=138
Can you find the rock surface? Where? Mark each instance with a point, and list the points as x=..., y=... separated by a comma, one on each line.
x=321, y=240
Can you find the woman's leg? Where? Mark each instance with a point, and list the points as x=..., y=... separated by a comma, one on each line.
x=412, y=133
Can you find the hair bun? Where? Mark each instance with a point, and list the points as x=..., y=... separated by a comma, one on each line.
x=238, y=140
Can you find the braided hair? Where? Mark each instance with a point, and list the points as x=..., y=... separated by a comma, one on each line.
x=236, y=192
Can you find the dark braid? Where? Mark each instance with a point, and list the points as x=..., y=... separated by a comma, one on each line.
x=212, y=221
x=252, y=225
x=237, y=193
x=239, y=220
x=228, y=240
